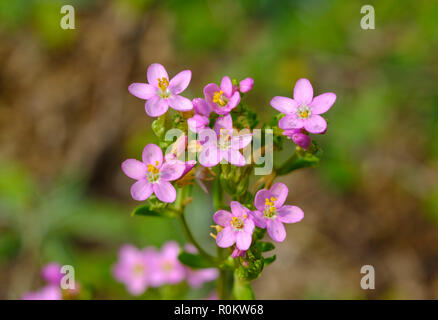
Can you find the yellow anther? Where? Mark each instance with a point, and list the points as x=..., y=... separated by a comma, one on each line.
x=219, y=99
x=304, y=113
x=163, y=83
x=157, y=163
x=153, y=169
x=245, y=216
x=273, y=199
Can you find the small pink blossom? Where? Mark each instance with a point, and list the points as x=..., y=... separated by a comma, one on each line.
x=200, y=119
x=153, y=175
x=304, y=110
x=160, y=93
x=222, y=99
x=223, y=145
x=134, y=268
x=238, y=253
x=49, y=292
x=271, y=213
x=52, y=273
x=238, y=227
x=168, y=269
x=246, y=85
x=298, y=137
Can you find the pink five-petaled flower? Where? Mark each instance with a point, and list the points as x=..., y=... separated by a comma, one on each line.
x=134, y=268
x=200, y=119
x=224, y=145
x=222, y=99
x=153, y=175
x=238, y=227
x=298, y=137
x=160, y=93
x=271, y=213
x=168, y=269
x=303, y=111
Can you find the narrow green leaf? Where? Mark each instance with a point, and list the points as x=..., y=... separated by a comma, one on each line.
x=146, y=210
x=265, y=246
x=269, y=260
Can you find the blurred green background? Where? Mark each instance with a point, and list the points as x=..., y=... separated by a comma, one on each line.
x=67, y=122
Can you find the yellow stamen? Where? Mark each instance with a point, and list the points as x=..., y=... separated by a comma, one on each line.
x=304, y=113
x=163, y=83
x=219, y=99
x=153, y=169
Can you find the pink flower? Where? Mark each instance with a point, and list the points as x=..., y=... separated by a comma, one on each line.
x=298, y=137
x=222, y=99
x=238, y=227
x=202, y=111
x=246, y=85
x=271, y=213
x=238, y=253
x=303, y=111
x=52, y=273
x=168, y=269
x=176, y=151
x=224, y=145
x=196, y=277
x=153, y=175
x=134, y=268
x=49, y=292
x=160, y=93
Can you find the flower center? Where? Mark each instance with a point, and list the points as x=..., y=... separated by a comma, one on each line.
x=304, y=112
x=163, y=83
x=237, y=223
x=153, y=173
x=167, y=266
x=224, y=139
x=218, y=97
x=270, y=209
x=138, y=269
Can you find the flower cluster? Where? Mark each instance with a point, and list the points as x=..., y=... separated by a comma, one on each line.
x=51, y=273
x=216, y=135
x=139, y=269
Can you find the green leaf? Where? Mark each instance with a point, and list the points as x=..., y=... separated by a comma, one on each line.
x=147, y=210
x=265, y=246
x=269, y=260
x=194, y=260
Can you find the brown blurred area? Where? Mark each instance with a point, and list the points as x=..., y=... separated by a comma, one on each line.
x=68, y=111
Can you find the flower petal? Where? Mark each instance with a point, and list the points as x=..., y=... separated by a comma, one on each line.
x=279, y=191
x=172, y=170
x=153, y=155
x=234, y=100
x=258, y=219
x=315, y=124
x=156, y=106
x=201, y=107
x=142, y=90
x=180, y=103
x=210, y=156
x=241, y=141
x=141, y=190
x=227, y=86
x=243, y=240
x=134, y=169
x=246, y=85
x=164, y=191
x=291, y=121
x=249, y=223
x=197, y=122
x=322, y=103
x=156, y=71
x=290, y=214
x=303, y=92
x=209, y=91
x=238, y=210
x=226, y=238
x=180, y=82
x=284, y=105
x=222, y=218
x=276, y=230
x=236, y=158
x=260, y=199
x=225, y=122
